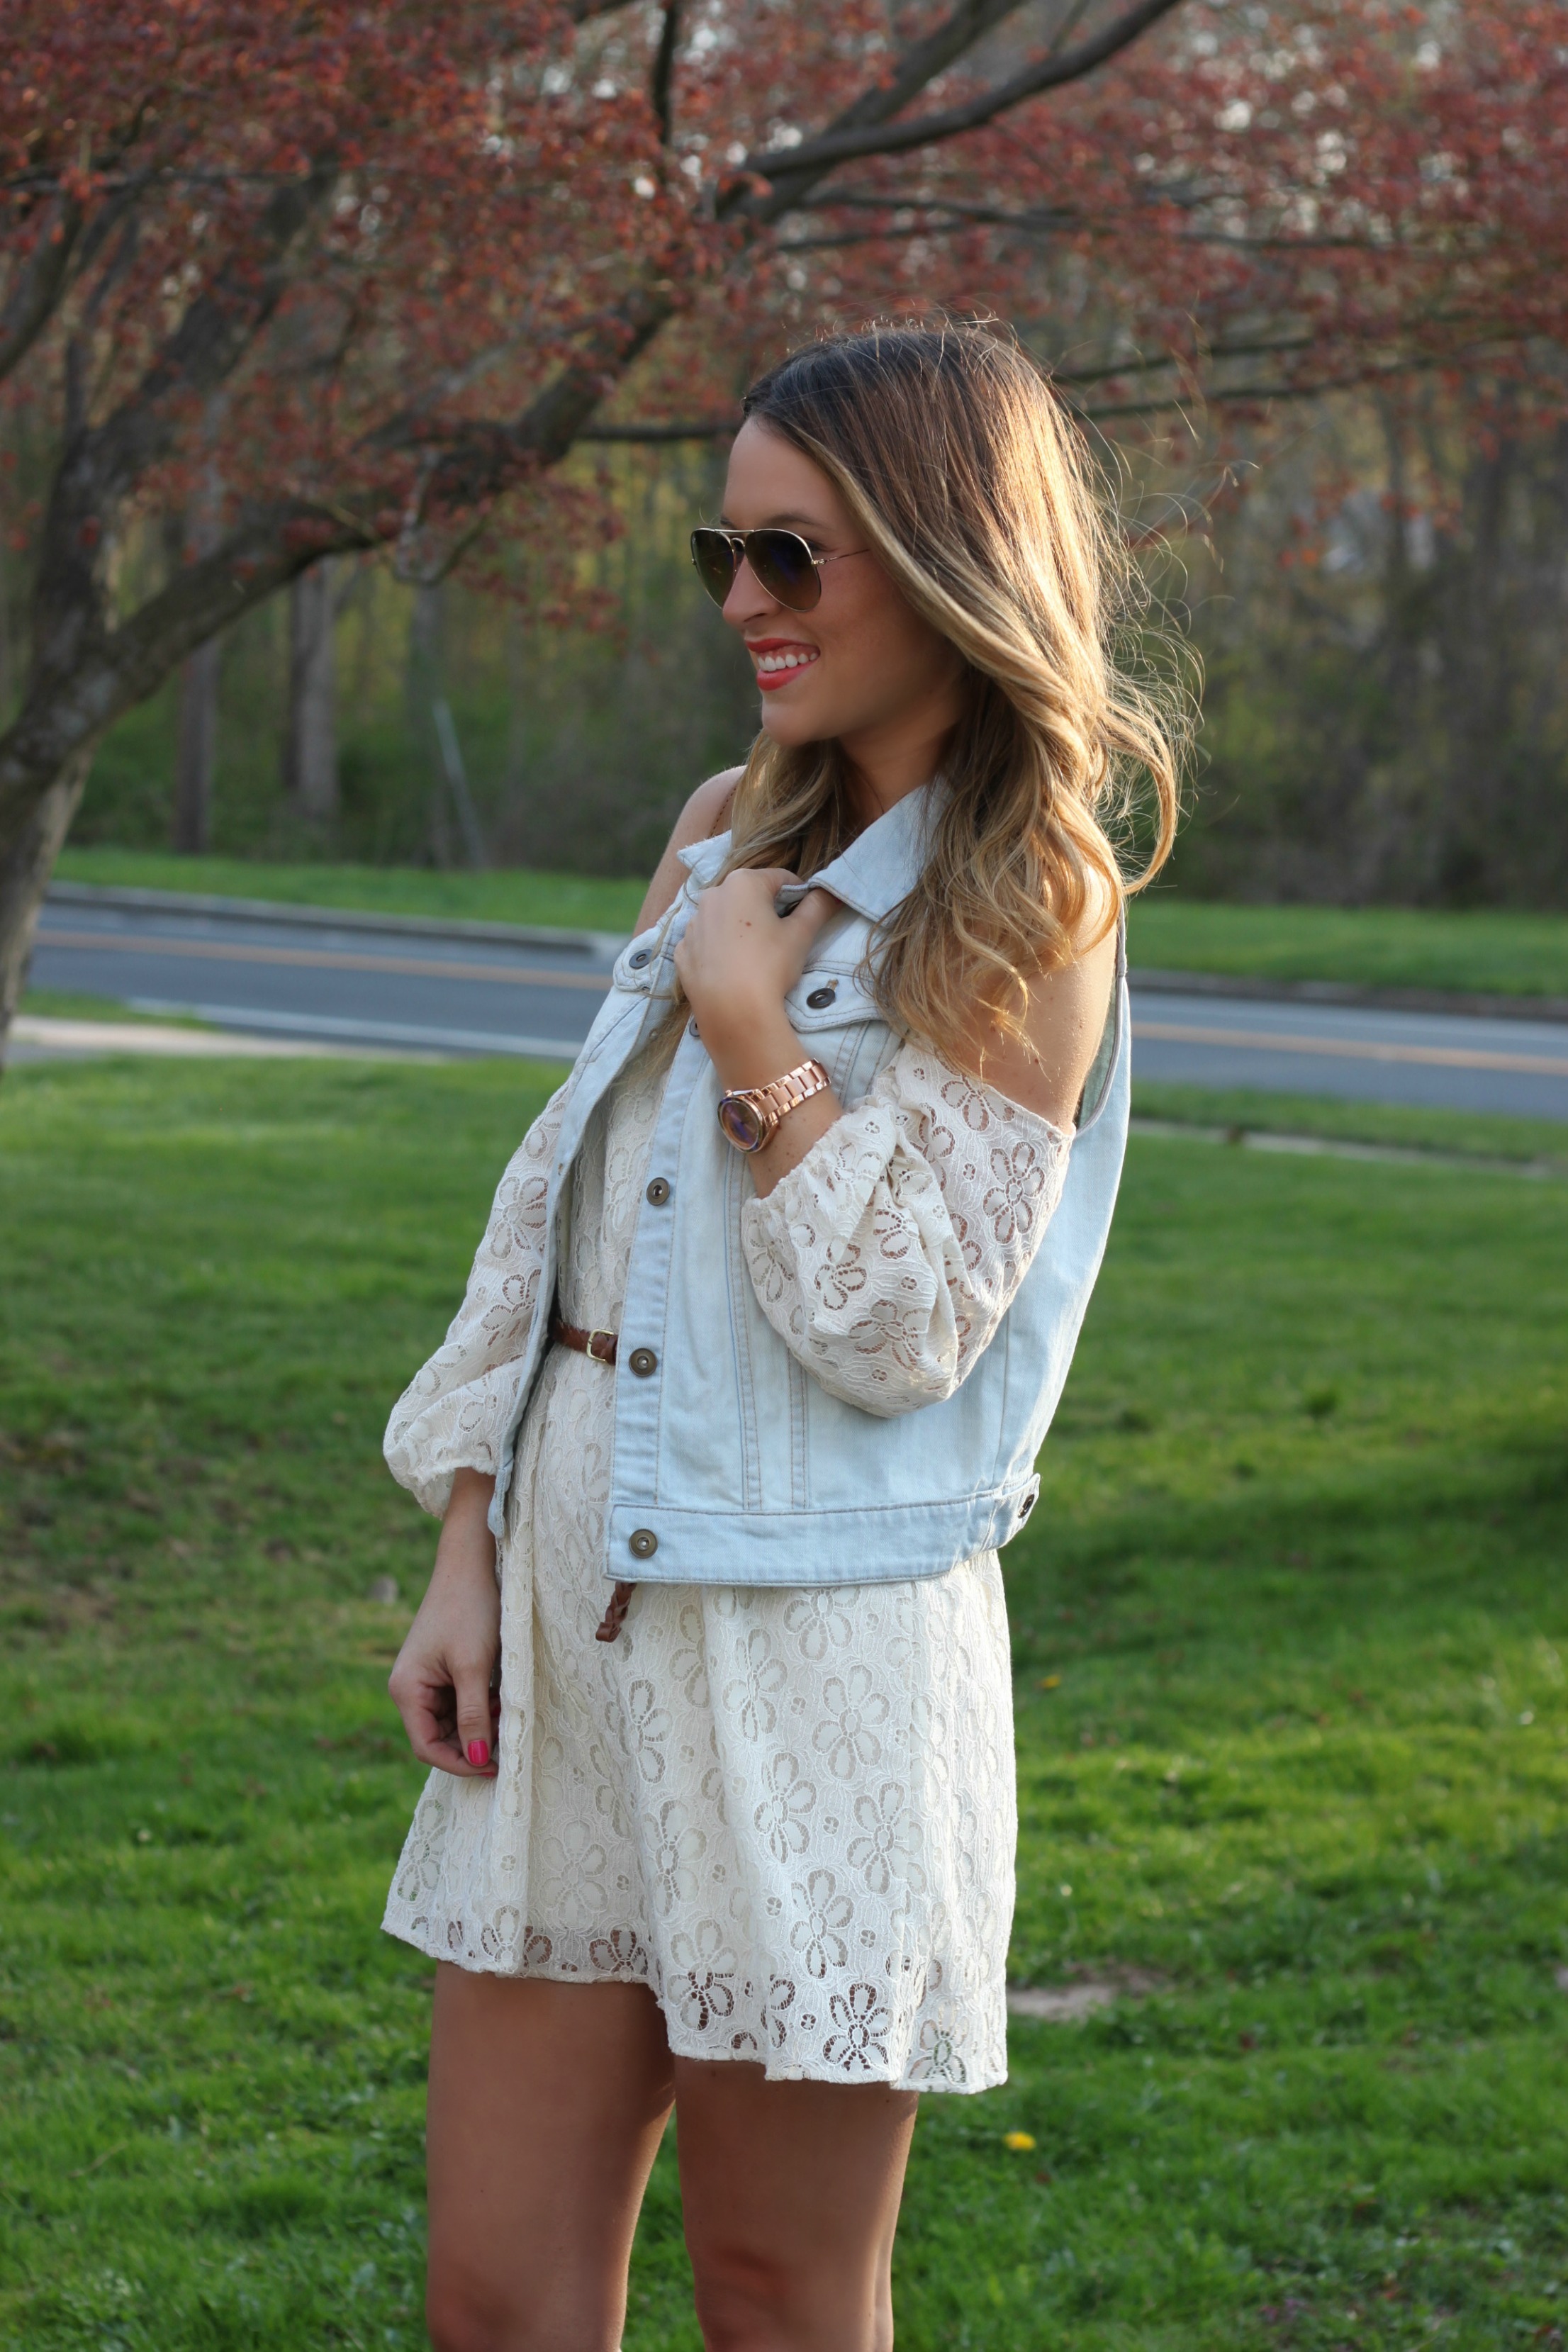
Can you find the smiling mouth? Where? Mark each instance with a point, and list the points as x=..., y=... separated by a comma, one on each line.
x=776, y=664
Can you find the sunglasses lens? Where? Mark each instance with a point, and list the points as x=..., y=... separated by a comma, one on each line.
x=783, y=564
x=715, y=561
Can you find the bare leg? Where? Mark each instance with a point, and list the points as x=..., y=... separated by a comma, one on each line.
x=546, y=2105
x=791, y=2194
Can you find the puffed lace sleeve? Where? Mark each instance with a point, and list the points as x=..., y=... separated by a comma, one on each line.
x=887, y=1259
x=451, y=1415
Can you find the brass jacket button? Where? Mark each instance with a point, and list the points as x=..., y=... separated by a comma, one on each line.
x=643, y=1543
x=820, y=998
x=659, y=1191
x=643, y=1362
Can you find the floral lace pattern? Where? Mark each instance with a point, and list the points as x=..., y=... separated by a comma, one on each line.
x=791, y=1813
x=886, y=1258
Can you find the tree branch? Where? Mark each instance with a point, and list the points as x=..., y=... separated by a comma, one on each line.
x=479, y=460
x=918, y=68
x=482, y=459
x=1254, y=395
x=35, y=291
x=211, y=339
x=712, y=428
x=962, y=215
x=1071, y=382
x=920, y=65
x=793, y=170
x=661, y=89
x=101, y=464
x=114, y=669
x=957, y=215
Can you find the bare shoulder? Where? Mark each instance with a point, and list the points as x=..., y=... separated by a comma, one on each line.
x=1046, y=1069
x=702, y=815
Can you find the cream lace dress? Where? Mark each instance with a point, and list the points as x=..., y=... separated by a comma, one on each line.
x=789, y=1813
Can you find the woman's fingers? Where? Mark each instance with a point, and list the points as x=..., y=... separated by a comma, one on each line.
x=450, y=1712
x=475, y=1730
x=815, y=911
x=776, y=878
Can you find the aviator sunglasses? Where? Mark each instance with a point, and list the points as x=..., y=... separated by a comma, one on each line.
x=780, y=562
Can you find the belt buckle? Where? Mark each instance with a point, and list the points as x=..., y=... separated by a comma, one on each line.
x=593, y=1351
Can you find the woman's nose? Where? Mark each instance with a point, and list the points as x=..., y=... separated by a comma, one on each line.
x=747, y=597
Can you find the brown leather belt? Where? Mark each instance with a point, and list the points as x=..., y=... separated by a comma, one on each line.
x=601, y=1346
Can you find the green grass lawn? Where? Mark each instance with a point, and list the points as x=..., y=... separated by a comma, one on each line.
x=1290, y=1629
x=1506, y=954
x=1543, y=1143
x=70, y=1004
x=1489, y=953
x=568, y=901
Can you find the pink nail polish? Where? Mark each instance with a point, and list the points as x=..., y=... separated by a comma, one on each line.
x=478, y=1751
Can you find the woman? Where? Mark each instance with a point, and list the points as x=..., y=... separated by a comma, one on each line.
x=775, y=1304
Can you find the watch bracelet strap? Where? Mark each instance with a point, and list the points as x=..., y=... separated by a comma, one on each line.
x=795, y=1086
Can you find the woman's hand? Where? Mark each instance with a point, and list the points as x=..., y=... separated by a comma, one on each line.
x=738, y=961
x=441, y=1683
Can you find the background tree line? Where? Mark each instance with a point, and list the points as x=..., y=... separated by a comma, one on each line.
x=287, y=288
x=1379, y=606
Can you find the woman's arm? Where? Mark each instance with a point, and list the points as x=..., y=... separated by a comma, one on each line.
x=738, y=960
x=887, y=1257
x=441, y=1683
x=449, y=1417
x=887, y=1244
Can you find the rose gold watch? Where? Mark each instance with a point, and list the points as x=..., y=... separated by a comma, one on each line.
x=749, y=1116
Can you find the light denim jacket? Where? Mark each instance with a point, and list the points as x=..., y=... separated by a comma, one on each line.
x=733, y=1465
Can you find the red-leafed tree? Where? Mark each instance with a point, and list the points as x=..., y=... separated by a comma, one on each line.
x=342, y=278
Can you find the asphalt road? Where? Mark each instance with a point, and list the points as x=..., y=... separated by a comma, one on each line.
x=365, y=981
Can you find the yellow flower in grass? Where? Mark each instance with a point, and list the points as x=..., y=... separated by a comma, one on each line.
x=1019, y=2142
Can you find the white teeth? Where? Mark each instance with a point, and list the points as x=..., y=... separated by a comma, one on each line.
x=784, y=661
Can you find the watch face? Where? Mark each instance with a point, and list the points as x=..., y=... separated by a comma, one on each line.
x=742, y=1122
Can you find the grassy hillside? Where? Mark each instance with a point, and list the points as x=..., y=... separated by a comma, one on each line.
x=1290, y=1637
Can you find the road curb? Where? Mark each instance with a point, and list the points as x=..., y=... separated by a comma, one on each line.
x=1282, y=1143
x=603, y=944
x=1338, y=992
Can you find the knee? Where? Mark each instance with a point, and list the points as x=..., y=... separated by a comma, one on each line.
x=460, y=2318
x=748, y=2300
x=743, y=2299
x=463, y=2313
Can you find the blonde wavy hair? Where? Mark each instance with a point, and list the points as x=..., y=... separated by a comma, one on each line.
x=969, y=480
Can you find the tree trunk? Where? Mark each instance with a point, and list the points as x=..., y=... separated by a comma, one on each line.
x=32, y=825
x=196, y=762
x=422, y=685
x=311, y=754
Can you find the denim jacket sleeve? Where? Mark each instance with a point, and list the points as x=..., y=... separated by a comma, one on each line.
x=453, y=1413
x=887, y=1259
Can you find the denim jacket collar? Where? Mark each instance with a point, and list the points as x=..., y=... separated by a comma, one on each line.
x=873, y=875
